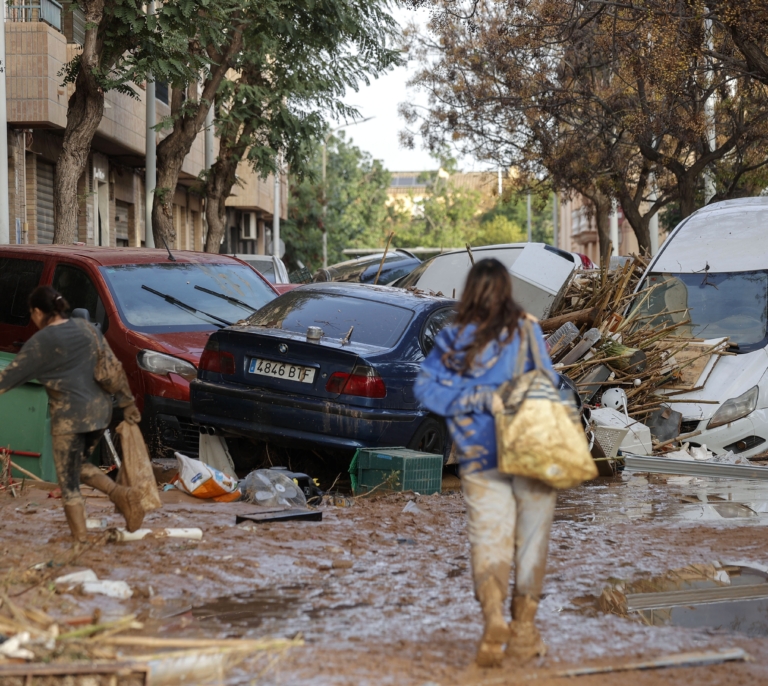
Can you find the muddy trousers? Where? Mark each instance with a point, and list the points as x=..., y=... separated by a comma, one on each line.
x=508, y=518
x=70, y=455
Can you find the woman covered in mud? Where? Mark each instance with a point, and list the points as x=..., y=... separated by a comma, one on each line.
x=63, y=356
x=508, y=516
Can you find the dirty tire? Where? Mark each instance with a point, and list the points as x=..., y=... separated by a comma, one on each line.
x=432, y=437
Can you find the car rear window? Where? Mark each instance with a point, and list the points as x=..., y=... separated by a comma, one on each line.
x=375, y=323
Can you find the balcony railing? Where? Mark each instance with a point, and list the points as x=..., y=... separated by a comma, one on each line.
x=48, y=11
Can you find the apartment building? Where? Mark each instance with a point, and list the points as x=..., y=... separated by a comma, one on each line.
x=578, y=231
x=41, y=38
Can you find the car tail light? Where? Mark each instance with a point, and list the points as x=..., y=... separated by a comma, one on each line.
x=212, y=360
x=363, y=382
x=586, y=263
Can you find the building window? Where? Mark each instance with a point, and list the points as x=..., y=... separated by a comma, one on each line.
x=161, y=91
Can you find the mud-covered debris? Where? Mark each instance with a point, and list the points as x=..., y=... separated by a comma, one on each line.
x=412, y=508
x=13, y=647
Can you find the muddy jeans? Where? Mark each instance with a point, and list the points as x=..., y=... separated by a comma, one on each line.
x=508, y=517
x=70, y=454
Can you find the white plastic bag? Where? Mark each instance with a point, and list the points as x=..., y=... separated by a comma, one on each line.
x=214, y=453
x=203, y=481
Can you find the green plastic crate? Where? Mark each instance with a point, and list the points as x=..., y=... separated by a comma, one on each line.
x=396, y=469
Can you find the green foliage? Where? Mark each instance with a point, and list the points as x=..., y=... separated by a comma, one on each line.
x=498, y=229
x=356, y=204
x=444, y=217
x=514, y=210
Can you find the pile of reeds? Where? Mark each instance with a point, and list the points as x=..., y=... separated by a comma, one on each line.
x=86, y=646
x=638, y=349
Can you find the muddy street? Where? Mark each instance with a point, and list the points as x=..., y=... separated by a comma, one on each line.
x=385, y=597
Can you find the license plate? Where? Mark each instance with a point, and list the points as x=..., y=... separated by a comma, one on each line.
x=282, y=370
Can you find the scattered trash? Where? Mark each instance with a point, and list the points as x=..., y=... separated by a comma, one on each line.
x=107, y=587
x=337, y=500
x=412, y=508
x=202, y=481
x=665, y=424
x=589, y=339
x=715, y=596
x=191, y=533
x=272, y=488
x=395, y=469
x=136, y=471
x=281, y=516
x=76, y=578
x=666, y=465
x=215, y=453
x=562, y=338
x=638, y=438
x=90, y=583
x=12, y=648
x=699, y=453
x=96, y=523
x=695, y=659
x=306, y=483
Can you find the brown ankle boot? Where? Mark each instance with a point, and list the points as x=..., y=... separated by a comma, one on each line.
x=490, y=652
x=127, y=500
x=525, y=640
x=75, y=514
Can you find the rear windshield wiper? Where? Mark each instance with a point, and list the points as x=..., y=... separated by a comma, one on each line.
x=183, y=305
x=228, y=298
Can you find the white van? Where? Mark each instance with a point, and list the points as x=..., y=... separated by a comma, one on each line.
x=715, y=264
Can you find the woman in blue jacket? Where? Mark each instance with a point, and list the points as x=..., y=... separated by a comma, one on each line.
x=507, y=516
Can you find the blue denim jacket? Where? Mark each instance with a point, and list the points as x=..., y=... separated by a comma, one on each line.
x=465, y=399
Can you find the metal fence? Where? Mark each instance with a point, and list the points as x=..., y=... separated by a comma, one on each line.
x=48, y=11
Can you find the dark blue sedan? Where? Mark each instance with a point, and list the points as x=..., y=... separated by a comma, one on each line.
x=328, y=365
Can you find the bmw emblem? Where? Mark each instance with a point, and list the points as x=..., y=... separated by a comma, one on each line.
x=283, y=348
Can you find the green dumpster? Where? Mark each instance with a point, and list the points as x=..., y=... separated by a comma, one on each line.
x=25, y=426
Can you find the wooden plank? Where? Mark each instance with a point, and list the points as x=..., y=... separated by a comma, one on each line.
x=693, y=361
x=75, y=668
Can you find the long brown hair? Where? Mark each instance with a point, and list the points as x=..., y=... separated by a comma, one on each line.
x=487, y=302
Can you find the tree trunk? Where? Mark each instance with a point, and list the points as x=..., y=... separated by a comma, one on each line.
x=174, y=148
x=601, y=206
x=233, y=144
x=639, y=222
x=686, y=188
x=218, y=186
x=84, y=112
x=603, y=221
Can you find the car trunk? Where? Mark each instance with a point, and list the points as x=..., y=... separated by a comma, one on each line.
x=259, y=356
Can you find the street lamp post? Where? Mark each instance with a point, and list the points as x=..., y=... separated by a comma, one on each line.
x=325, y=189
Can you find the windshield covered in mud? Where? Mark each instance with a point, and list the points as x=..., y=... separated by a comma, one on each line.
x=138, y=291
x=707, y=305
x=375, y=323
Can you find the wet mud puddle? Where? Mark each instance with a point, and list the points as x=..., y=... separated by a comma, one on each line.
x=278, y=611
x=246, y=615
x=728, y=598
x=649, y=496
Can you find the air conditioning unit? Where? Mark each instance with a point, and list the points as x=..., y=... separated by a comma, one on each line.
x=248, y=226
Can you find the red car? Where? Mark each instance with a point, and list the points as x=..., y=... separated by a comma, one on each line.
x=156, y=311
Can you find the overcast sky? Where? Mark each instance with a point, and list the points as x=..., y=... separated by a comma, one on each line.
x=380, y=100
